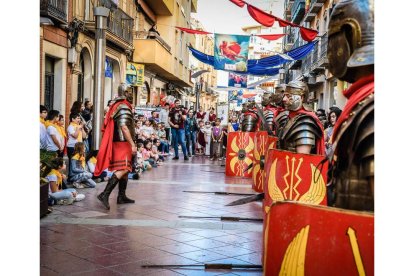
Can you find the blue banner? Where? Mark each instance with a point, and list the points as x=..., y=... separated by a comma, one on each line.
x=231, y=52
x=264, y=66
x=108, y=68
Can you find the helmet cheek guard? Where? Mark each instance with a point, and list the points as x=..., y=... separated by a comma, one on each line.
x=338, y=56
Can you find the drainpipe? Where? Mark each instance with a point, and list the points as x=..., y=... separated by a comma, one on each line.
x=101, y=14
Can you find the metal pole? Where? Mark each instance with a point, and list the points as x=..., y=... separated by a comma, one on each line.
x=101, y=14
x=197, y=91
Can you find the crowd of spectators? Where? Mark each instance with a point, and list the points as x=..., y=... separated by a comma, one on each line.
x=157, y=137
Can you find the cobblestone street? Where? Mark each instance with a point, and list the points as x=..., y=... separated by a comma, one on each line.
x=85, y=239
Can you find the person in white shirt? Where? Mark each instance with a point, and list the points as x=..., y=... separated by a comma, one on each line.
x=147, y=130
x=163, y=118
x=55, y=140
x=43, y=132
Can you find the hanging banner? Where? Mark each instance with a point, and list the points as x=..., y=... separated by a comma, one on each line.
x=231, y=52
x=108, y=68
x=236, y=96
x=237, y=80
x=223, y=113
x=135, y=74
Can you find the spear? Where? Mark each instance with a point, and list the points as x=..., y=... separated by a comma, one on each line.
x=218, y=193
x=225, y=218
x=256, y=197
x=208, y=266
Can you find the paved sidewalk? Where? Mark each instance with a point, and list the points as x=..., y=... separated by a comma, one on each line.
x=86, y=239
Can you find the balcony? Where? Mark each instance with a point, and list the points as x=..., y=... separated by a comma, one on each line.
x=121, y=24
x=316, y=6
x=162, y=7
x=298, y=11
x=320, y=59
x=54, y=9
x=157, y=57
x=309, y=16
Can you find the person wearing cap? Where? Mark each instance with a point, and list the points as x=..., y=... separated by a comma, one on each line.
x=117, y=147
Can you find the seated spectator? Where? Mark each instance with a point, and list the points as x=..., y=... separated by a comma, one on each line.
x=91, y=164
x=147, y=130
x=147, y=154
x=78, y=173
x=56, y=178
x=141, y=164
x=156, y=154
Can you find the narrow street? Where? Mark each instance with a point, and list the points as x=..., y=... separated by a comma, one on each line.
x=85, y=239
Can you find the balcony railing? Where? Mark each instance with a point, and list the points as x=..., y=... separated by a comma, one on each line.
x=143, y=35
x=298, y=11
x=56, y=9
x=324, y=44
x=315, y=54
x=121, y=24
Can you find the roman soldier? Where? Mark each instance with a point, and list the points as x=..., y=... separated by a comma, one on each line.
x=351, y=59
x=299, y=130
x=117, y=146
x=272, y=105
x=250, y=120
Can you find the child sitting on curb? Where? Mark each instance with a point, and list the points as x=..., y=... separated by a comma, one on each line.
x=56, y=178
x=78, y=173
x=91, y=163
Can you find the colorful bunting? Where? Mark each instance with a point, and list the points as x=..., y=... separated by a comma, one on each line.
x=271, y=36
x=267, y=19
x=260, y=16
x=239, y=3
x=191, y=31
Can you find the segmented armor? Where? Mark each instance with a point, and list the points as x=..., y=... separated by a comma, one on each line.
x=249, y=122
x=351, y=58
x=122, y=116
x=269, y=115
x=280, y=122
x=250, y=119
x=354, y=165
x=300, y=130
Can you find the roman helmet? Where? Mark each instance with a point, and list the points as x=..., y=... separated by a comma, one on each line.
x=123, y=92
x=351, y=38
x=277, y=97
x=298, y=95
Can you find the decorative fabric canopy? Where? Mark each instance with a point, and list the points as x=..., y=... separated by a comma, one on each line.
x=264, y=36
x=263, y=66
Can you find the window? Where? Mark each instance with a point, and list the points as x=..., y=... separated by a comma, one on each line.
x=49, y=82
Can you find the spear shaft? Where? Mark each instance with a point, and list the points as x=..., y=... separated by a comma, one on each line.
x=225, y=218
x=218, y=193
x=207, y=266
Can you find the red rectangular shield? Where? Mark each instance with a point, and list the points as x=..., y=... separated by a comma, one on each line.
x=305, y=239
x=262, y=143
x=294, y=176
x=239, y=153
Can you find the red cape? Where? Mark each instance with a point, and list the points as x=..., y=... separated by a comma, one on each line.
x=105, y=149
x=320, y=144
x=356, y=93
